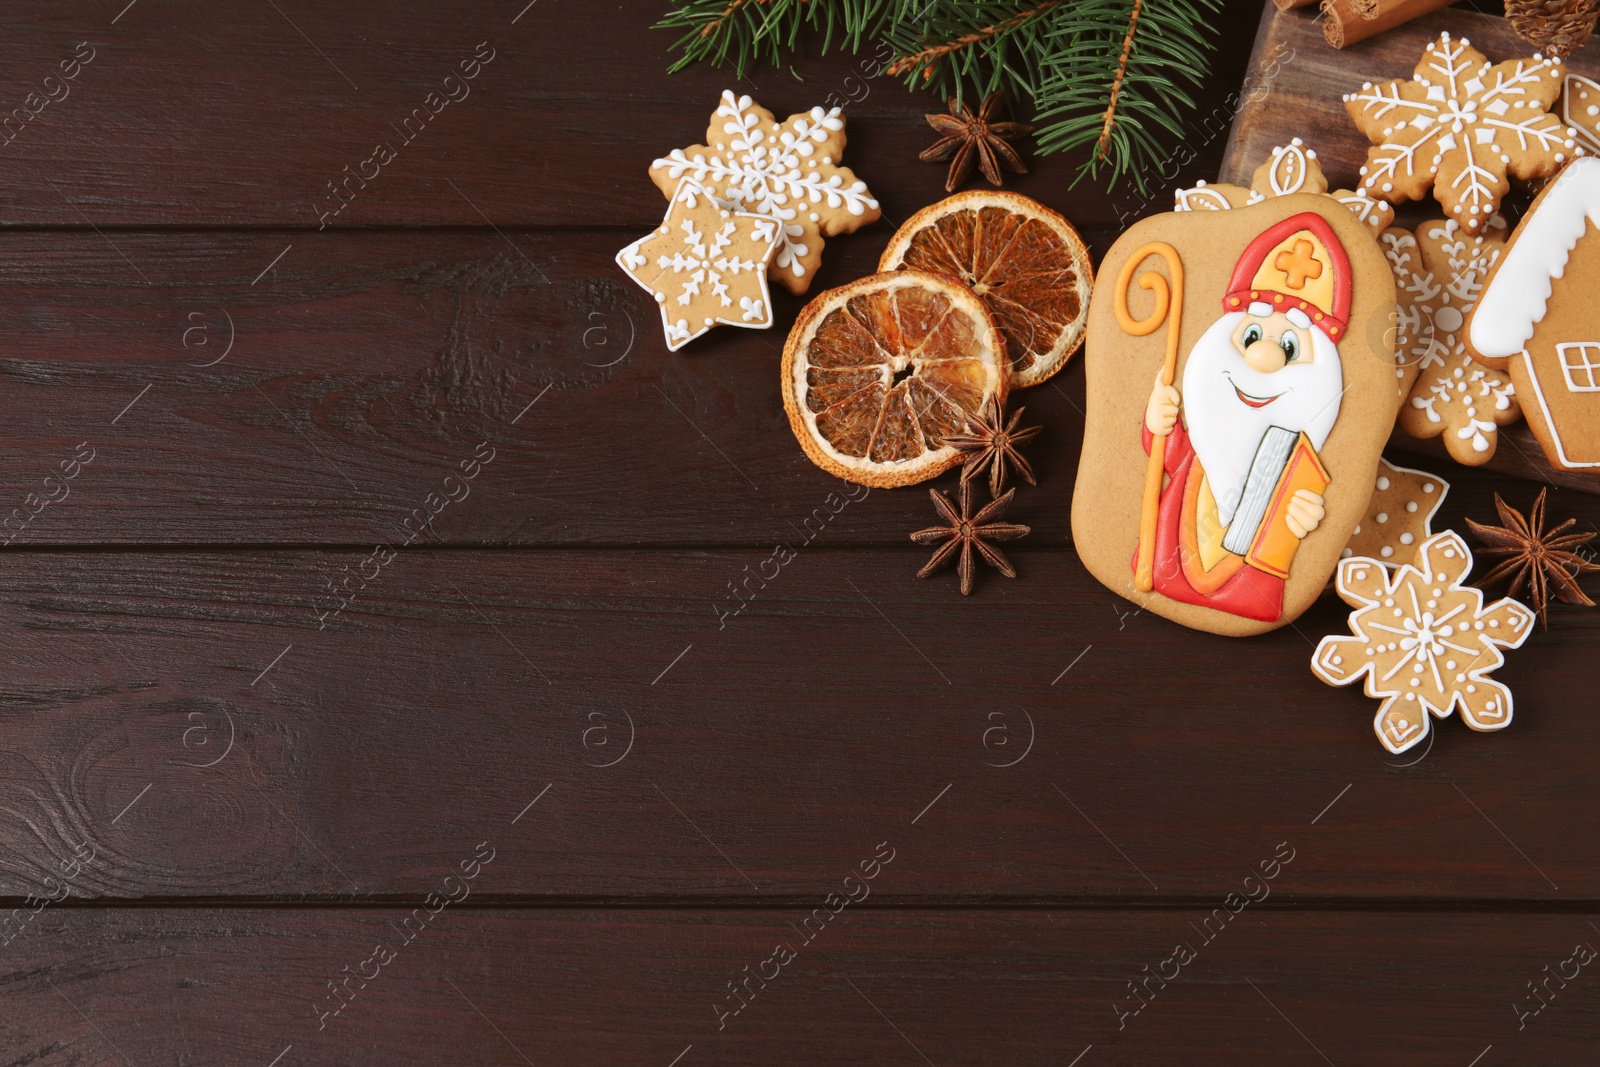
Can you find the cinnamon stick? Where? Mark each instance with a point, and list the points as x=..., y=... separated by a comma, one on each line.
x=1345, y=22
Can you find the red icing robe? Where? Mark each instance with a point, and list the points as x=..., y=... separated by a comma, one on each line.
x=1231, y=584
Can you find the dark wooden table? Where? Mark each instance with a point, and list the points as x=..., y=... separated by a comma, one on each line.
x=526, y=790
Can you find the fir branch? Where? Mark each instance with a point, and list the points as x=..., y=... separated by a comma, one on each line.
x=927, y=58
x=1116, y=83
x=1110, y=76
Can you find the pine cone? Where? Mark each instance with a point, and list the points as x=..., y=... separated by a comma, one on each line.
x=1555, y=27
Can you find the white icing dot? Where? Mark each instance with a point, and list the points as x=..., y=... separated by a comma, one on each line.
x=1450, y=665
x=1337, y=660
x=1406, y=539
x=1493, y=623
x=1383, y=483
x=1472, y=689
x=1386, y=552
x=1346, y=554
x=1592, y=109
x=1358, y=529
x=1411, y=505
x=1416, y=681
x=1397, y=611
x=1383, y=516
x=1388, y=602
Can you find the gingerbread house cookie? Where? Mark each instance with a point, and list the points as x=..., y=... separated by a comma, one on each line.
x=1539, y=316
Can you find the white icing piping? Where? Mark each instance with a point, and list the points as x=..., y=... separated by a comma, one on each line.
x=1516, y=299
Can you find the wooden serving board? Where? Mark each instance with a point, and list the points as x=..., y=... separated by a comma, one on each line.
x=1296, y=88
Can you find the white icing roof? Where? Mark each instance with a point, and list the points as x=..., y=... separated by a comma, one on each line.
x=1516, y=297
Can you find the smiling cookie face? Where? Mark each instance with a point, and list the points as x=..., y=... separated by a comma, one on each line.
x=1252, y=370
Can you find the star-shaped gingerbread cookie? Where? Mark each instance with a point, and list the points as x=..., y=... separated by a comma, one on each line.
x=788, y=171
x=1459, y=126
x=705, y=265
x=1399, y=518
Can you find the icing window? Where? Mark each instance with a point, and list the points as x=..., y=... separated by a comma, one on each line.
x=1579, y=362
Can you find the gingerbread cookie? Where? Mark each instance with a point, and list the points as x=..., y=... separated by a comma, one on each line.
x=1455, y=396
x=1425, y=643
x=705, y=265
x=788, y=171
x=1580, y=109
x=1414, y=291
x=1539, y=316
x=1458, y=127
x=1239, y=396
x=1399, y=516
x=1290, y=168
x=1206, y=196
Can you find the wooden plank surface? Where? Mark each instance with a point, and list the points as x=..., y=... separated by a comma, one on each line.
x=1303, y=97
x=270, y=104
x=1033, y=987
x=241, y=742
x=749, y=751
x=362, y=372
x=367, y=372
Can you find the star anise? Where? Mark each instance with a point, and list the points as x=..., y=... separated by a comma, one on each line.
x=973, y=138
x=990, y=441
x=1543, y=559
x=967, y=532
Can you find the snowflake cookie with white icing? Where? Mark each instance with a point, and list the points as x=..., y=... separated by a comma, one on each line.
x=704, y=265
x=1459, y=126
x=1424, y=642
x=1455, y=395
x=788, y=171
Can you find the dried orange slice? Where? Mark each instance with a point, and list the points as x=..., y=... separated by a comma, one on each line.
x=878, y=372
x=1025, y=262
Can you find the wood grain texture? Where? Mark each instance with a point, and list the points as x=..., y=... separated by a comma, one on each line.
x=842, y=702
x=1304, y=92
x=246, y=744
x=365, y=371
x=326, y=401
x=1033, y=987
x=192, y=116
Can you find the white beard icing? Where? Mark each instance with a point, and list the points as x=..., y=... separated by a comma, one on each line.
x=1225, y=430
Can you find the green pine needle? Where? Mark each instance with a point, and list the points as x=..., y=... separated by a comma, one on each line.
x=1061, y=56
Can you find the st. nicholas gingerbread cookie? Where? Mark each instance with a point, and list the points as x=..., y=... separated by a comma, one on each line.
x=1241, y=384
x=1539, y=316
x=788, y=171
